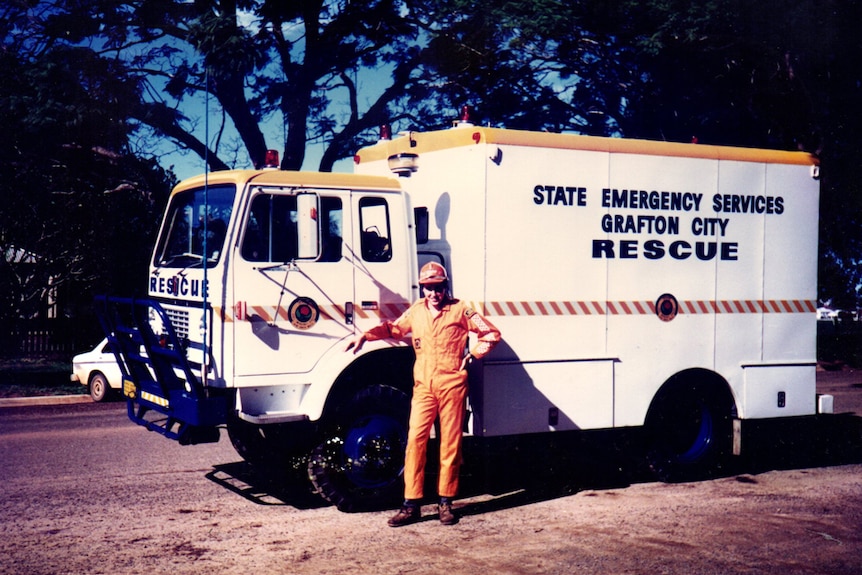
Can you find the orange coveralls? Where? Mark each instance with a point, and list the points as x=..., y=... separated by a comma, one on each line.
x=439, y=385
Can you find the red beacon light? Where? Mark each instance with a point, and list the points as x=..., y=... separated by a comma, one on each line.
x=270, y=160
x=463, y=120
x=385, y=135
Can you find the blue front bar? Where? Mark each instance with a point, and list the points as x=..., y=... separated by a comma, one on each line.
x=157, y=376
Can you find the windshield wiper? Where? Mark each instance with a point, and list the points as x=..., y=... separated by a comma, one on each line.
x=197, y=259
x=289, y=264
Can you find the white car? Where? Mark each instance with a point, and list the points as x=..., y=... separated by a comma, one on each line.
x=98, y=370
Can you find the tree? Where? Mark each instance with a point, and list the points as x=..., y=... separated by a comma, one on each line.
x=769, y=74
x=78, y=210
x=531, y=64
x=257, y=60
x=327, y=72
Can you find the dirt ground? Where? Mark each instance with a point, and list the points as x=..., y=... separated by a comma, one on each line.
x=123, y=501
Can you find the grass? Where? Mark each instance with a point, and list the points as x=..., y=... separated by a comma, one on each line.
x=32, y=377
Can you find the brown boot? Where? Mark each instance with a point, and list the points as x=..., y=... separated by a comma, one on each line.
x=446, y=515
x=406, y=515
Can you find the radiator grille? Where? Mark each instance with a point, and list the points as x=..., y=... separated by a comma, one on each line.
x=180, y=320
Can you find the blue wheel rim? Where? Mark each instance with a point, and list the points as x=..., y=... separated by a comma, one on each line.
x=374, y=451
x=703, y=438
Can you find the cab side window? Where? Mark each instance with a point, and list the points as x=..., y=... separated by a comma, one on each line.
x=330, y=229
x=375, y=242
x=271, y=233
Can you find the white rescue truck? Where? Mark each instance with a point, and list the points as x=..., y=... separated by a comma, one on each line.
x=668, y=287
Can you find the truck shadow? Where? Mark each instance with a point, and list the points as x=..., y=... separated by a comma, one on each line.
x=518, y=471
x=266, y=485
x=813, y=441
x=530, y=469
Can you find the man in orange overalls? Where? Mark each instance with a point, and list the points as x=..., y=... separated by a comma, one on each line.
x=440, y=327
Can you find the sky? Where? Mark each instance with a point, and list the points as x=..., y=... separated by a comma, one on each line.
x=186, y=164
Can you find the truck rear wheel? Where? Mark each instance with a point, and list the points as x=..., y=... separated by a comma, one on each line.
x=360, y=463
x=689, y=430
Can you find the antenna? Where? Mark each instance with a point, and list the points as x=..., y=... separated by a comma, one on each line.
x=204, y=259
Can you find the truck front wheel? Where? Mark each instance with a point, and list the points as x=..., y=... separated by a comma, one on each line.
x=360, y=463
x=252, y=442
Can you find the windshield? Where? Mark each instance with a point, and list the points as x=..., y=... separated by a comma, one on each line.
x=196, y=223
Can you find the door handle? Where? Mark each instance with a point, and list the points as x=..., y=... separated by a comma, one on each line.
x=348, y=313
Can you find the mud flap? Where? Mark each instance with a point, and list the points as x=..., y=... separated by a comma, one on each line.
x=737, y=436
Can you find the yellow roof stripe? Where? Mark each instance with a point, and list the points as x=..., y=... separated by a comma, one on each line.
x=292, y=179
x=418, y=143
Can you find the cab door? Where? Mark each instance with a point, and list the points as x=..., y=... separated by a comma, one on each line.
x=384, y=256
x=292, y=275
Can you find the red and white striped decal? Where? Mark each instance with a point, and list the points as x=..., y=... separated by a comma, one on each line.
x=327, y=312
x=635, y=307
x=551, y=308
x=388, y=311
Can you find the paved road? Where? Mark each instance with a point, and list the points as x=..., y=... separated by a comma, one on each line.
x=85, y=491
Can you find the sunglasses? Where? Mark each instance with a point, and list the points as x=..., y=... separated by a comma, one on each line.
x=435, y=287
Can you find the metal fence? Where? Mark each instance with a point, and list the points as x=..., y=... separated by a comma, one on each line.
x=56, y=338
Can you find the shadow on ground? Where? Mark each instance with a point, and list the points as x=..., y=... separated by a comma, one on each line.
x=266, y=486
x=523, y=470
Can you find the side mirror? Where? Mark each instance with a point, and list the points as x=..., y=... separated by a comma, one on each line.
x=308, y=226
x=421, y=218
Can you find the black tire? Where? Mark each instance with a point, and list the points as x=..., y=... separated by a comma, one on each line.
x=99, y=388
x=360, y=463
x=251, y=441
x=689, y=431
x=278, y=450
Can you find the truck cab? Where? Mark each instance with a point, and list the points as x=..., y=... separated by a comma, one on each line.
x=258, y=279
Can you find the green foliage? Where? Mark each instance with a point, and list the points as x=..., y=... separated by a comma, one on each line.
x=78, y=210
